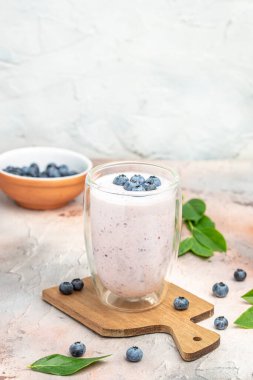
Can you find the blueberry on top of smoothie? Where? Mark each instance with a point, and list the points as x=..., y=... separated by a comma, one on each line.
x=137, y=182
x=138, y=187
x=131, y=186
x=120, y=180
x=137, y=178
x=149, y=186
x=153, y=180
x=128, y=186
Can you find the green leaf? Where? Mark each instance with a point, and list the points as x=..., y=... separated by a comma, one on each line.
x=199, y=250
x=210, y=238
x=194, y=209
x=248, y=297
x=62, y=365
x=246, y=319
x=204, y=222
x=188, y=225
x=185, y=246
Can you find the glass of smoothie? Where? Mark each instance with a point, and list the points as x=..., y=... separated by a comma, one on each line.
x=132, y=232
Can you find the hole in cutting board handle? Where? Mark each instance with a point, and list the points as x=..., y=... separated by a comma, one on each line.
x=197, y=338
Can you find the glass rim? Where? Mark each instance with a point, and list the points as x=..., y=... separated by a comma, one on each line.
x=171, y=185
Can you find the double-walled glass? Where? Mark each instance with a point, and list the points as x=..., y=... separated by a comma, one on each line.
x=131, y=237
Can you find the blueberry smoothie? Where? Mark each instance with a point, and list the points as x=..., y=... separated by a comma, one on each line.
x=132, y=224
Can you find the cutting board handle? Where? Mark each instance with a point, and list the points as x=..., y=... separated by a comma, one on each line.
x=192, y=340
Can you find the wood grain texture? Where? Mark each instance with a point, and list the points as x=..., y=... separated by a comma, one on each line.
x=192, y=341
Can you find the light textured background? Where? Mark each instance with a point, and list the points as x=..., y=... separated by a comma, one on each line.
x=122, y=78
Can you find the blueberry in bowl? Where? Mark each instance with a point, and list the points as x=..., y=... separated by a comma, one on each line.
x=43, y=178
x=33, y=170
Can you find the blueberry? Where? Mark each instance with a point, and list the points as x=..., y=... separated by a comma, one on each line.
x=240, y=275
x=138, y=187
x=220, y=289
x=53, y=172
x=43, y=175
x=181, y=303
x=29, y=171
x=66, y=288
x=33, y=170
x=149, y=186
x=51, y=165
x=129, y=186
x=137, y=178
x=35, y=166
x=25, y=170
x=77, y=349
x=18, y=171
x=153, y=180
x=120, y=180
x=9, y=169
x=134, y=354
x=221, y=323
x=14, y=170
x=77, y=284
x=63, y=170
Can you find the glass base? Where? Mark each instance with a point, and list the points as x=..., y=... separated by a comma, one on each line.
x=132, y=304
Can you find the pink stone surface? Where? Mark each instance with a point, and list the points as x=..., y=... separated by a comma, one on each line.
x=41, y=249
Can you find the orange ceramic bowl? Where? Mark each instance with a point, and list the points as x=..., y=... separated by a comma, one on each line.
x=43, y=193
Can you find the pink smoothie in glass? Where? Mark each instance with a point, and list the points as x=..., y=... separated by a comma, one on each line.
x=132, y=236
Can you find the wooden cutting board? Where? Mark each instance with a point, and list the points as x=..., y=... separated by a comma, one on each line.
x=192, y=341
